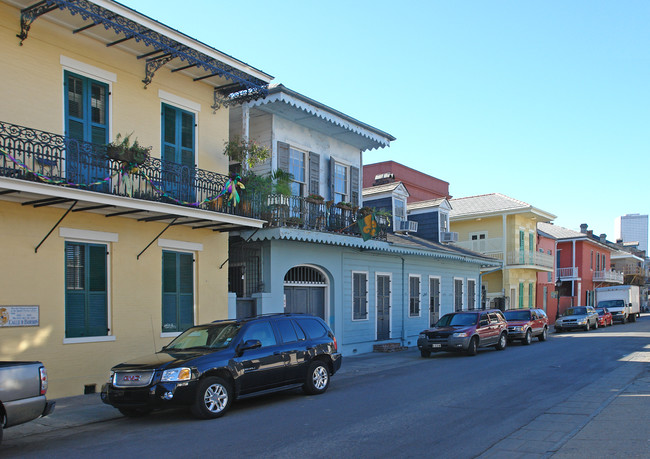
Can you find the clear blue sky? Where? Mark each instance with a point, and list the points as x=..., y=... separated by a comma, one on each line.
x=544, y=101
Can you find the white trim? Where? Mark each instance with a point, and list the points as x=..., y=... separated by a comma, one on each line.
x=87, y=235
x=390, y=303
x=180, y=245
x=419, y=278
x=87, y=70
x=89, y=339
x=178, y=101
x=170, y=334
x=367, y=295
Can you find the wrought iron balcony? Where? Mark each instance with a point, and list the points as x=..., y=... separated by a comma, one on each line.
x=613, y=277
x=303, y=213
x=40, y=156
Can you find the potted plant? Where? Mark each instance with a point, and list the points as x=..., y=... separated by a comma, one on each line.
x=345, y=205
x=294, y=221
x=315, y=199
x=246, y=152
x=123, y=150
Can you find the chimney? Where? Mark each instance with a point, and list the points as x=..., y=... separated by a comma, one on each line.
x=583, y=228
x=590, y=233
x=603, y=238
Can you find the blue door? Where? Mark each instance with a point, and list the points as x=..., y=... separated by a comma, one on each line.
x=86, y=122
x=178, y=168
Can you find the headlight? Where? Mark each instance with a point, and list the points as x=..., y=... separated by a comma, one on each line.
x=518, y=329
x=582, y=321
x=177, y=374
x=459, y=335
x=423, y=335
x=110, y=377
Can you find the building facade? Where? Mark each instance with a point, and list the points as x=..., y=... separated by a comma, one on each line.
x=111, y=252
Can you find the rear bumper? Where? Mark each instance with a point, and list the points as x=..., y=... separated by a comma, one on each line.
x=337, y=360
x=27, y=409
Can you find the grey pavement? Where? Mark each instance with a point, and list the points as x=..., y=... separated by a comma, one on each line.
x=608, y=418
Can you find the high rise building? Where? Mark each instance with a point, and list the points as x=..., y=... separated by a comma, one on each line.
x=633, y=228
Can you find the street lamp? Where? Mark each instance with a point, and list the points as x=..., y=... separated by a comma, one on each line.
x=558, y=284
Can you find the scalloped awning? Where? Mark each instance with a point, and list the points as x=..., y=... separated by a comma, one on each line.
x=293, y=106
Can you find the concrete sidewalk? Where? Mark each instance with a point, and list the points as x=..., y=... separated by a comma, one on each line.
x=608, y=418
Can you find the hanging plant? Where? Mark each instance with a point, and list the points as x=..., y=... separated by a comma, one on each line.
x=246, y=152
x=121, y=149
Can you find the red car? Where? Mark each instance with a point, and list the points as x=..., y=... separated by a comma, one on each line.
x=525, y=324
x=604, y=317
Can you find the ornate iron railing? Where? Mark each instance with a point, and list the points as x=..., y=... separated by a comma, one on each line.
x=299, y=212
x=35, y=155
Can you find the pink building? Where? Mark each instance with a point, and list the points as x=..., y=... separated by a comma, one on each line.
x=582, y=264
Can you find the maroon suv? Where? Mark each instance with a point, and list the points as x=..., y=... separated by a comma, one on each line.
x=465, y=331
x=524, y=324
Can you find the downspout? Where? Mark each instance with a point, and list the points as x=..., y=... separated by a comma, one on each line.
x=404, y=303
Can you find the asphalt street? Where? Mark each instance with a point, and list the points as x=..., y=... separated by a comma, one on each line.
x=530, y=401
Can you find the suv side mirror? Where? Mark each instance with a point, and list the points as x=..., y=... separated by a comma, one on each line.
x=248, y=345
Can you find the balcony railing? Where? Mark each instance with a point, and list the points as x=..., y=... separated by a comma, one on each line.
x=303, y=213
x=490, y=246
x=39, y=156
x=568, y=273
x=614, y=277
x=530, y=258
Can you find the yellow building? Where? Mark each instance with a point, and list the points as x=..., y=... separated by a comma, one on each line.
x=506, y=229
x=104, y=259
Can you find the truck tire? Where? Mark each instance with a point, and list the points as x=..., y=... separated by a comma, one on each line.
x=633, y=318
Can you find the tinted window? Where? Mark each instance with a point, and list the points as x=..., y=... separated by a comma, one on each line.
x=261, y=331
x=301, y=334
x=460, y=319
x=287, y=331
x=517, y=315
x=541, y=313
x=312, y=327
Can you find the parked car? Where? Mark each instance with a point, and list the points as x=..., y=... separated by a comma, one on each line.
x=584, y=317
x=465, y=331
x=604, y=317
x=208, y=366
x=23, y=386
x=525, y=324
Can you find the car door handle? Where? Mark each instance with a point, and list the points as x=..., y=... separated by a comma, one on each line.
x=277, y=353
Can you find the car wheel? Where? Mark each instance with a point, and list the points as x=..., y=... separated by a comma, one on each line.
x=587, y=327
x=424, y=353
x=502, y=343
x=213, y=398
x=544, y=335
x=135, y=412
x=633, y=318
x=472, y=349
x=318, y=378
x=528, y=338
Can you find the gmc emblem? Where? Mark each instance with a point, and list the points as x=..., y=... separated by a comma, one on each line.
x=131, y=378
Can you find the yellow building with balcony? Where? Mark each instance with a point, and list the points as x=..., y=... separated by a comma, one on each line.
x=506, y=229
x=108, y=254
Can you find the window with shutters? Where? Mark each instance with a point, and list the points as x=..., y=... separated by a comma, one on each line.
x=340, y=183
x=86, y=109
x=177, y=291
x=359, y=296
x=471, y=294
x=521, y=295
x=86, y=296
x=297, y=170
x=458, y=294
x=414, y=296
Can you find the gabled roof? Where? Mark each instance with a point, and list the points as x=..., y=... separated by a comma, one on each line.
x=429, y=204
x=559, y=232
x=493, y=204
x=385, y=188
x=311, y=114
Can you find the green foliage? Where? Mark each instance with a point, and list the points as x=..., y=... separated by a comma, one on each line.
x=122, y=149
x=246, y=152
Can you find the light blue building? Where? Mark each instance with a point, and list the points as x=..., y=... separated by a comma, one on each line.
x=311, y=256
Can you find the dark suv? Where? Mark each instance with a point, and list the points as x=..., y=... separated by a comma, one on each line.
x=208, y=366
x=525, y=324
x=465, y=331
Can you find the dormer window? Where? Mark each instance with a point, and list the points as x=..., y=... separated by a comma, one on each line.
x=444, y=221
x=399, y=211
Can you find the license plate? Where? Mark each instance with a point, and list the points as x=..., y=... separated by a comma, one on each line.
x=436, y=345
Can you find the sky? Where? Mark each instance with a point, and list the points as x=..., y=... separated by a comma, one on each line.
x=546, y=101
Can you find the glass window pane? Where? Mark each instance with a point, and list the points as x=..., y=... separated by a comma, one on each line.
x=75, y=97
x=169, y=124
x=98, y=103
x=187, y=130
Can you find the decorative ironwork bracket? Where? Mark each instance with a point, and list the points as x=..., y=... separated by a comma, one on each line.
x=54, y=227
x=153, y=65
x=156, y=238
x=30, y=14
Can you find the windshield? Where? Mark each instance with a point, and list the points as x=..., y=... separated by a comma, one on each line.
x=517, y=315
x=601, y=311
x=582, y=310
x=611, y=304
x=214, y=336
x=454, y=320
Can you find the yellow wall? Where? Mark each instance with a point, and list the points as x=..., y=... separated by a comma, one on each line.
x=32, y=96
x=28, y=278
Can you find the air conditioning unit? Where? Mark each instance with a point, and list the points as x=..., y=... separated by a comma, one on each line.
x=448, y=236
x=407, y=225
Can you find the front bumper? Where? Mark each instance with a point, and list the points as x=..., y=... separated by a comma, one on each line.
x=570, y=326
x=159, y=395
x=446, y=344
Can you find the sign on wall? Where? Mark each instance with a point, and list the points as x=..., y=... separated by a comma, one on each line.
x=19, y=316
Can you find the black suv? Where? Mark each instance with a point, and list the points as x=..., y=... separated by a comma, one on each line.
x=208, y=366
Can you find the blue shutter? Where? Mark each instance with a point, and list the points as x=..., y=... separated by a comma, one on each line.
x=178, y=291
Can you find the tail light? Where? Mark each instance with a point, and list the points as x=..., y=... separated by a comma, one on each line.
x=336, y=346
x=43, y=373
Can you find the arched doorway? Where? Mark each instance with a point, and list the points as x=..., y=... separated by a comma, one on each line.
x=305, y=289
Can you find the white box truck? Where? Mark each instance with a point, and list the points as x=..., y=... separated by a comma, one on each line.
x=623, y=301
